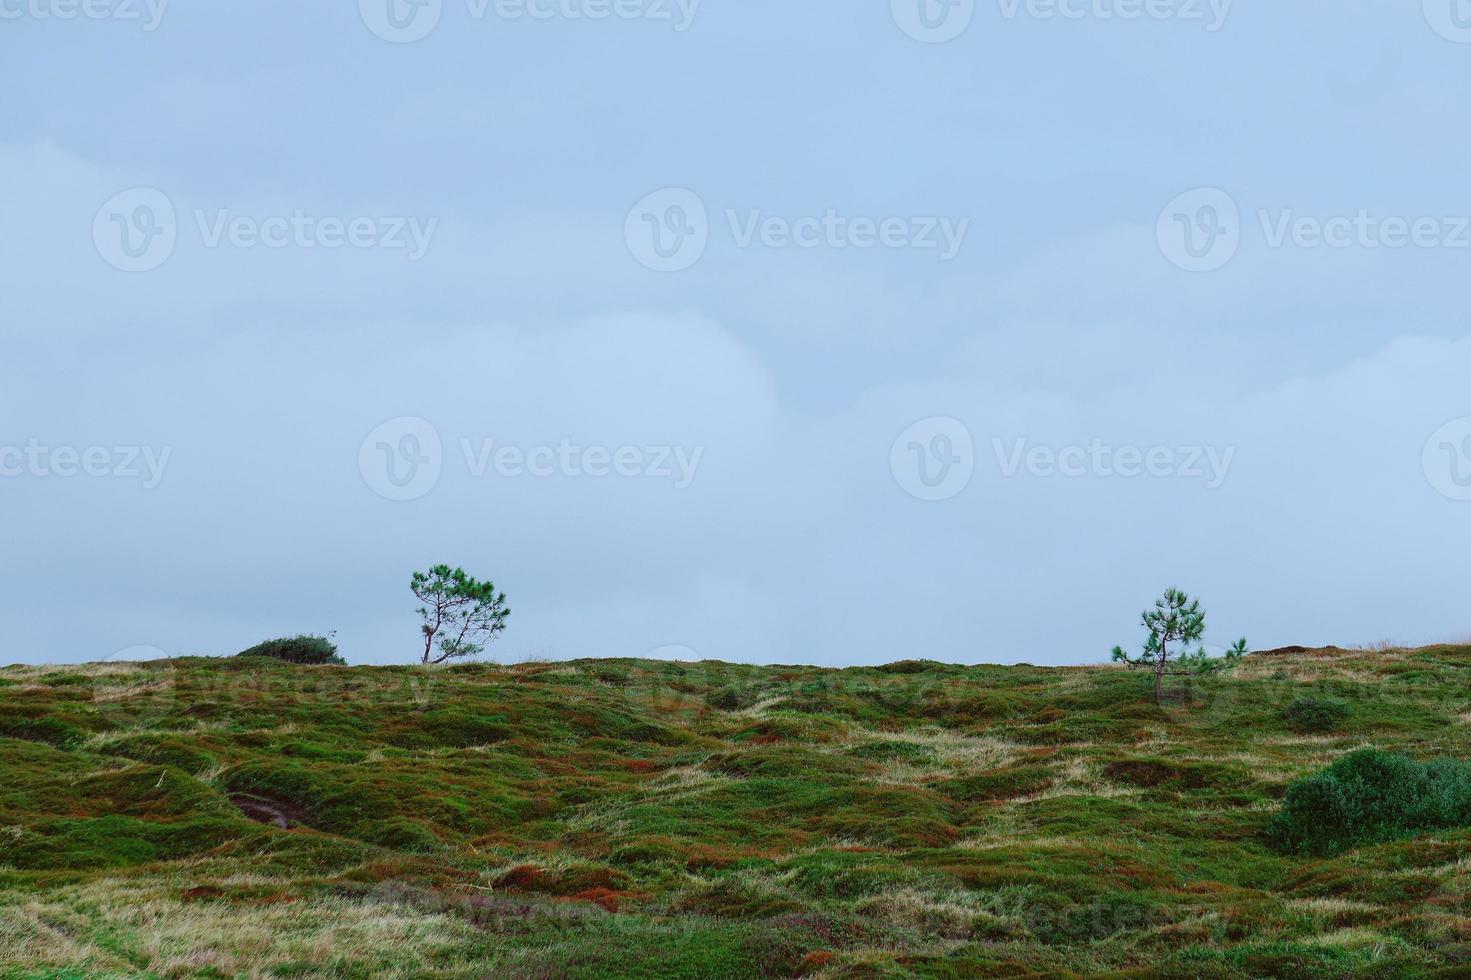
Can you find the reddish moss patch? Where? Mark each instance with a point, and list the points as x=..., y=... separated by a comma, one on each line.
x=604, y=898
x=525, y=877
x=815, y=961
x=639, y=765
x=563, y=882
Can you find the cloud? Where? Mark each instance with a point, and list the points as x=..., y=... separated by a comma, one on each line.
x=794, y=542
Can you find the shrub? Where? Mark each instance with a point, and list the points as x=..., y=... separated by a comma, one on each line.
x=911, y=667
x=1315, y=715
x=732, y=698
x=1371, y=797
x=297, y=650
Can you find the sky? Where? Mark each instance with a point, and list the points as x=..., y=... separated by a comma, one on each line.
x=824, y=333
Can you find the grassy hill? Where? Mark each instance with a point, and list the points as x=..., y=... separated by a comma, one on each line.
x=222, y=817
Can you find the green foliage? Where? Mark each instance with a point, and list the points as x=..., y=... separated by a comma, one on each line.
x=732, y=698
x=451, y=728
x=1177, y=619
x=302, y=650
x=461, y=614
x=52, y=731
x=1312, y=715
x=1371, y=797
x=114, y=841
x=911, y=667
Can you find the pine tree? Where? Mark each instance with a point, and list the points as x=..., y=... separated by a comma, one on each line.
x=461, y=614
x=1177, y=619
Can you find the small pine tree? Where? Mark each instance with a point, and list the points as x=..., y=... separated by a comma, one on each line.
x=1177, y=619
x=460, y=614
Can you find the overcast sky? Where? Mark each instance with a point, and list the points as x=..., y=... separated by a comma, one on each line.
x=832, y=332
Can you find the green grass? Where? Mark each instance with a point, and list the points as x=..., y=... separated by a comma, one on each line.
x=627, y=818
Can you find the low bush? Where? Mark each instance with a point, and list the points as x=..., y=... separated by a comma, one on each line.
x=1315, y=715
x=911, y=667
x=1370, y=797
x=309, y=650
x=732, y=698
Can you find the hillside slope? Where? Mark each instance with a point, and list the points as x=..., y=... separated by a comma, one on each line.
x=221, y=817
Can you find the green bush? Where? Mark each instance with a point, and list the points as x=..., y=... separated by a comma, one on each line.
x=309, y=650
x=1315, y=715
x=911, y=667
x=1371, y=797
x=732, y=698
